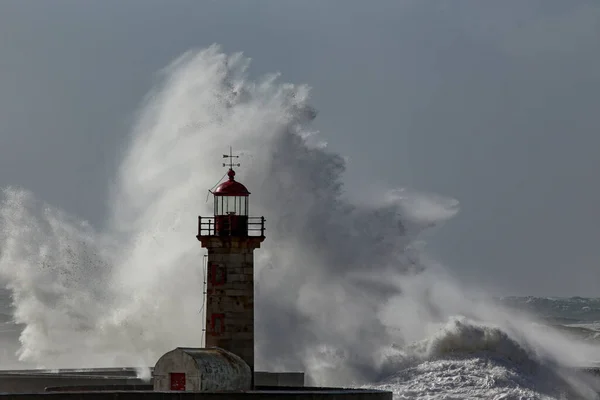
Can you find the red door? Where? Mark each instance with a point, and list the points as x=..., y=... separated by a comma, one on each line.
x=177, y=381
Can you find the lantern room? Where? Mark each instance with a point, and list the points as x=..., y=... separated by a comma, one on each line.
x=231, y=197
x=231, y=207
x=231, y=211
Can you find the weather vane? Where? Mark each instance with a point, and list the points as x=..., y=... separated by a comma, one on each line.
x=230, y=164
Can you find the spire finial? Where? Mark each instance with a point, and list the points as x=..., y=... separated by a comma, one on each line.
x=231, y=164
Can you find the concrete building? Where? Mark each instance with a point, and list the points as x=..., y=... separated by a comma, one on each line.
x=231, y=236
x=200, y=370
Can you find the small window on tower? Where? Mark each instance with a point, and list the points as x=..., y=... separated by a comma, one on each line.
x=218, y=324
x=218, y=274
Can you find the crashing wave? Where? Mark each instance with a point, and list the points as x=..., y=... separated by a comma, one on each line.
x=336, y=281
x=467, y=359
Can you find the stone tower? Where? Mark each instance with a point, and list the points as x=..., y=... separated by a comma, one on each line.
x=230, y=236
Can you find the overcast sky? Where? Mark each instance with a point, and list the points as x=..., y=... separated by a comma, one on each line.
x=496, y=104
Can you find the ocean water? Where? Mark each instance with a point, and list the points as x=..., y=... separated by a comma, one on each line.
x=578, y=317
x=345, y=291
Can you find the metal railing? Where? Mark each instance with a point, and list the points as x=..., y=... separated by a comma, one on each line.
x=231, y=225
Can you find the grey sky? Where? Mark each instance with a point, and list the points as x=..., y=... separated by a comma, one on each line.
x=492, y=103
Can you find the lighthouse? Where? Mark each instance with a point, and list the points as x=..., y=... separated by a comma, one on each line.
x=230, y=236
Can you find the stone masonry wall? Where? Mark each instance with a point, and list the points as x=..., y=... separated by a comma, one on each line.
x=230, y=295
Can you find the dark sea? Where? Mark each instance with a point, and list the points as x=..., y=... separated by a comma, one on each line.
x=577, y=316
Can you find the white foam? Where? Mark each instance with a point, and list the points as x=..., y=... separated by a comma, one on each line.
x=466, y=359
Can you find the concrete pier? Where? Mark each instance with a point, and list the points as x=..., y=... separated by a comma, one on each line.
x=316, y=394
x=36, y=381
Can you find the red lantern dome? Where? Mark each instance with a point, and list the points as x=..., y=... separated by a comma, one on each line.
x=231, y=187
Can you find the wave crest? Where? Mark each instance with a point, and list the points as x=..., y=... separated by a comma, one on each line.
x=461, y=336
x=469, y=359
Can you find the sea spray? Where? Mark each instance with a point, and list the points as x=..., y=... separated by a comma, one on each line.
x=140, y=294
x=340, y=286
x=55, y=270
